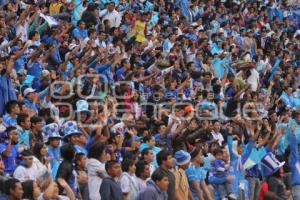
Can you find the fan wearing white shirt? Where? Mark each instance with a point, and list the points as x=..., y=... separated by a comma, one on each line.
x=125, y=123
x=176, y=120
x=253, y=79
x=128, y=181
x=21, y=29
x=100, y=41
x=113, y=16
x=92, y=36
x=216, y=135
x=26, y=171
x=142, y=173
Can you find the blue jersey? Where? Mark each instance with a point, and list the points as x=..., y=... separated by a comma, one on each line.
x=9, y=121
x=79, y=149
x=10, y=162
x=54, y=155
x=194, y=173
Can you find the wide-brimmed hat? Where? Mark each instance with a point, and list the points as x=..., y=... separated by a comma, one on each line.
x=82, y=106
x=70, y=128
x=51, y=131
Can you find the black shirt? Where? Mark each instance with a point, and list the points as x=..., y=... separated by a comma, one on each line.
x=277, y=187
x=65, y=171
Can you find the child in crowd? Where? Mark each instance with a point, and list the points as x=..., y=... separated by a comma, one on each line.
x=220, y=170
x=110, y=188
x=128, y=180
x=81, y=175
x=51, y=130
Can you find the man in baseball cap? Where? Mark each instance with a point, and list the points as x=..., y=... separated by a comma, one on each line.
x=30, y=99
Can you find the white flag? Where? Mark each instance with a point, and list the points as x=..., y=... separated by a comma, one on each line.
x=49, y=19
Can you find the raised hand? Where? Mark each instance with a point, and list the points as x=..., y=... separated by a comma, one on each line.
x=293, y=128
x=62, y=182
x=229, y=129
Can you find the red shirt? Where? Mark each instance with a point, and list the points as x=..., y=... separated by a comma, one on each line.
x=263, y=189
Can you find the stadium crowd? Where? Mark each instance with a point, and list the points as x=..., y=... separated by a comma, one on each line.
x=150, y=99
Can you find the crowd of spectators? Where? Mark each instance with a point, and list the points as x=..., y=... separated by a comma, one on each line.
x=150, y=99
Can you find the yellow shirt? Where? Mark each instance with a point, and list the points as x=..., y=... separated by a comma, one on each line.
x=54, y=8
x=138, y=31
x=181, y=184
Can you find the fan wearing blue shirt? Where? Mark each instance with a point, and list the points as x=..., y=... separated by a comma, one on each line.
x=7, y=91
x=196, y=176
x=12, y=110
x=23, y=128
x=30, y=98
x=163, y=138
x=9, y=150
x=51, y=131
x=149, y=142
x=238, y=160
x=81, y=147
x=121, y=72
x=80, y=32
x=191, y=34
x=294, y=159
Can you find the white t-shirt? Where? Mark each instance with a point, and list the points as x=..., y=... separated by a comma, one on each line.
x=129, y=185
x=40, y=168
x=95, y=167
x=253, y=79
x=218, y=136
x=99, y=43
x=175, y=125
x=119, y=126
x=113, y=17
x=60, y=197
x=142, y=184
x=24, y=174
x=22, y=30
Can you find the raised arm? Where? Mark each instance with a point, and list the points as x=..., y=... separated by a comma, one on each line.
x=268, y=93
x=178, y=131
x=243, y=66
x=230, y=143
x=239, y=93
x=145, y=78
x=223, y=82
x=7, y=149
x=265, y=140
x=168, y=128
x=293, y=158
x=67, y=188
x=246, y=153
x=275, y=140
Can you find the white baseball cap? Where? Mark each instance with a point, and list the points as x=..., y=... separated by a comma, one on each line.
x=45, y=73
x=27, y=91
